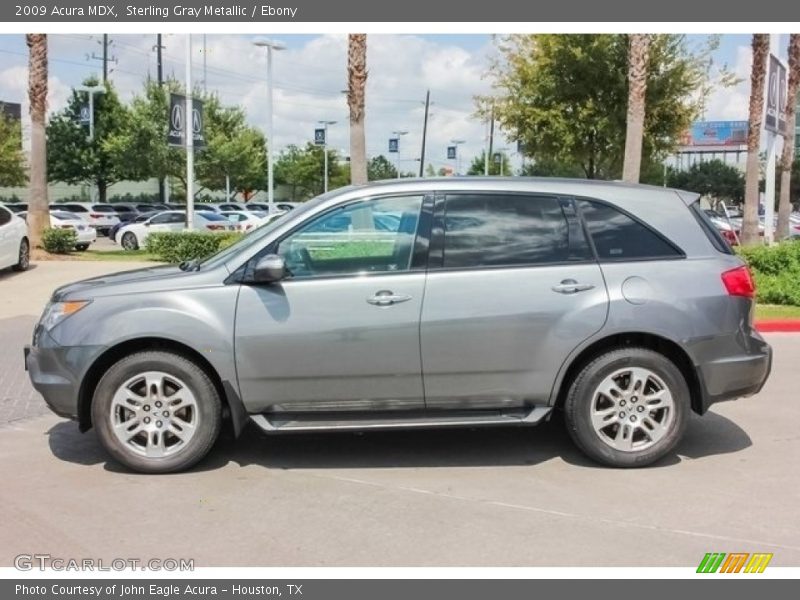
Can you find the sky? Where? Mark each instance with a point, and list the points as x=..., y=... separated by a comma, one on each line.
x=310, y=74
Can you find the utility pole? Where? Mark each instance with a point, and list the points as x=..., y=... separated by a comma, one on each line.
x=491, y=135
x=104, y=57
x=189, y=135
x=424, y=133
x=325, y=125
x=162, y=196
x=270, y=45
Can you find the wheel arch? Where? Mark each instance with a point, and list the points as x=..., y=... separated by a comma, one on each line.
x=231, y=402
x=668, y=348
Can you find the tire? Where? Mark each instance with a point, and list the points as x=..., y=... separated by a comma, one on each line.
x=604, y=399
x=129, y=241
x=142, y=389
x=24, y=256
x=81, y=247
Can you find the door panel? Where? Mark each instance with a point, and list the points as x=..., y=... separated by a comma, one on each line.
x=342, y=333
x=512, y=289
x=497, y=337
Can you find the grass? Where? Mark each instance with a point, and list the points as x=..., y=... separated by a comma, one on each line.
x=775, y=311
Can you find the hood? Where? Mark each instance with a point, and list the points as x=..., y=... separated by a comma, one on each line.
x=150, y=278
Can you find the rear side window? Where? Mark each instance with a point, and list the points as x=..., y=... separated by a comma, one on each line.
x=211, y=216
x=617, y=236
x=484, y=230
x=712, y=233
x=76, y=208
x=103, y=208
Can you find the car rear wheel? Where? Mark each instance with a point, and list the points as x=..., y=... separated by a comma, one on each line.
x=82, y=247
x=129, y=241
x=157, y=412
x=24, y=256
x=628, y=407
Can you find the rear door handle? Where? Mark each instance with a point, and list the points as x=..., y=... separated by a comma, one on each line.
x=570, y=286
x=387, y=298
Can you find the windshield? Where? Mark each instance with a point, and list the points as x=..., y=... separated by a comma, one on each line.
x=257, y=235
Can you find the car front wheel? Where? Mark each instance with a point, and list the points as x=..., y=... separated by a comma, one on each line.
x=628, y=407
x=24, y=256
x=156, y=412
x=129, y=241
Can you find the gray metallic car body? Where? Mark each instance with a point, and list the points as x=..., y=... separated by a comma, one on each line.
x=478, y=339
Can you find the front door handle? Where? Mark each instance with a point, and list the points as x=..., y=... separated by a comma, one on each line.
x=387, y=298
x=570, y=286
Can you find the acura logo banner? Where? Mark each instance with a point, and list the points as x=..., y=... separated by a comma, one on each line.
x=178, y=122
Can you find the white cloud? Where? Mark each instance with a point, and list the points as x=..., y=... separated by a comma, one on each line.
x=732, y=104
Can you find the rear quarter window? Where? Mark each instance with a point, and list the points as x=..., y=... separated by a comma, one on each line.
x=619, y=237
x=712, y=233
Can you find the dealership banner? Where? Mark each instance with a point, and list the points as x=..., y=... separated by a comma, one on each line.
x=720, y=586
x=180, y=121
x=153, y=11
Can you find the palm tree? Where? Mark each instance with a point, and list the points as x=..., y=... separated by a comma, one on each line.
x=787, y=157
x=638, y=52
x=38, y=214
x=753, y=172
x=356, y=83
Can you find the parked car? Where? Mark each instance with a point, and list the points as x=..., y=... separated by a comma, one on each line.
x=145, y=207
x=495, y=301
x=100, y=216
x=243, y=220
x=16, y=207
x=14, y=242
x=133, y=235
x=126, y=211
x=277, y=207
x=85, y=234
x=140, y=218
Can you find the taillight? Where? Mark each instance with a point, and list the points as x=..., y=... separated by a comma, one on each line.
x=94, y=216
x=739, y=282
x=216, y=227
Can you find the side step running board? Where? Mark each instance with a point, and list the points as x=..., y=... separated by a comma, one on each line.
x=299, y=422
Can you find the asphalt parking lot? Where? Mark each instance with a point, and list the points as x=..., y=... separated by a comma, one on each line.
x=493, y=497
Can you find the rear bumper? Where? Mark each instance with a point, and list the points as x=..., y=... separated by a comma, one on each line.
x=734, y=376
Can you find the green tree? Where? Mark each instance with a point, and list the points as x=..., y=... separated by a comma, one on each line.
x=301, y=170
x=565, y=97
x=72, y=157
x=12, y=161
x=379, y=168
x=713, y=179
x=478, y=164
x=548, y=167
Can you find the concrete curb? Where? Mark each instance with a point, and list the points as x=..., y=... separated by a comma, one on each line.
x=778, y=325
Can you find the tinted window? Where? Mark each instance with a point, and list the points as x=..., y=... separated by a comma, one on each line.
x=617, y=236
x=348, y=240
x=76, y=208
x=102, y=208
x=5, y=216
x=168, y=217
x=118, y=208
x=495, y=230
x=212, y=216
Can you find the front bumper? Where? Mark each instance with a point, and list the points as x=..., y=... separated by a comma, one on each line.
x=735, y=376
x=56, y=372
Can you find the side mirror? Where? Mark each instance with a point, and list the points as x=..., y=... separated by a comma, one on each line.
x=269, y=269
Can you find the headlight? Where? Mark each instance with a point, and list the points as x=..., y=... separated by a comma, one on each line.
x=58, y=311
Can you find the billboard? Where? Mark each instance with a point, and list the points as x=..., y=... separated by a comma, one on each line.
x=717, y=133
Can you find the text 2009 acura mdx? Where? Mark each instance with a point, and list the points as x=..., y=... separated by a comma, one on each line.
x=421, y=303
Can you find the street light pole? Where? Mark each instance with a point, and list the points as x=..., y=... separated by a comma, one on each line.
x=399, y=134
x=91, y=90
x=457, y=143
x=270, y=45
x=188, y=129
x=325, y=154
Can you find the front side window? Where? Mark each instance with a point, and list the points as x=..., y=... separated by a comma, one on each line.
x=617, y=236
x=488, y=230
x=373, y=236
x=5, y=216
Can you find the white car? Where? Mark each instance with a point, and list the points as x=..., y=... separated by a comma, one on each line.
x=245, y=220
x=100, y=216
x=61, y=219
x=134, y=235
x=15, y=250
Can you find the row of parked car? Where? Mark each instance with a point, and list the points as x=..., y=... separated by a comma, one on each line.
x=131, y=223
x=730, y=224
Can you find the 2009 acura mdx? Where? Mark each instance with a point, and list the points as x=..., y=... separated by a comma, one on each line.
x=417, y=303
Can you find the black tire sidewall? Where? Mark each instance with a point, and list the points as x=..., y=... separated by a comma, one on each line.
x=578, y=406
x=129, y=235
x=208, y=402
x=24, y=243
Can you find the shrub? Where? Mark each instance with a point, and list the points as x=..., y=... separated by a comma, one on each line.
x=178, y=246
x=59, y=241
x=776, y=270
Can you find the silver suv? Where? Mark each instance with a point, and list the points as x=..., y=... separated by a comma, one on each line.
x=417, y=303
